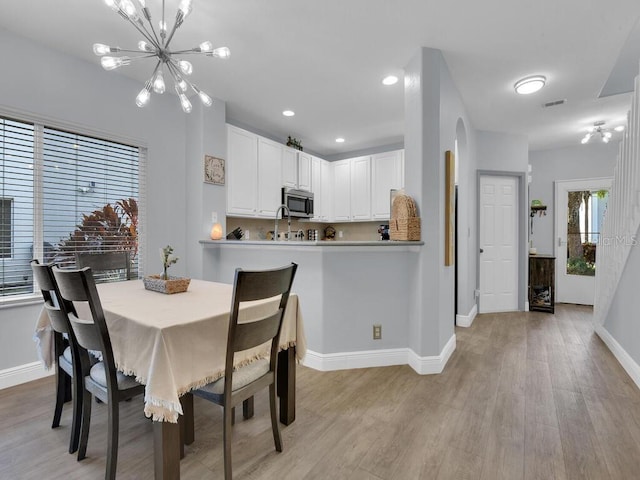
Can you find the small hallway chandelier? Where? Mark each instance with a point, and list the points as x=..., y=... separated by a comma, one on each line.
x=156, y=45
x=598, y=129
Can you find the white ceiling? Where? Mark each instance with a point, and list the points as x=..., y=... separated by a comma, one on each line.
x=326, y=59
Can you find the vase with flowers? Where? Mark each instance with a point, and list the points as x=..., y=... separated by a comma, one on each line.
x=165, y=283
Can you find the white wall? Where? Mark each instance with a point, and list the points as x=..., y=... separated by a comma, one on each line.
x=622, y=319
x=592, y=160
x=83, y=96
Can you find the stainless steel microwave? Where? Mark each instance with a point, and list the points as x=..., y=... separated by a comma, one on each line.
x=299, y=202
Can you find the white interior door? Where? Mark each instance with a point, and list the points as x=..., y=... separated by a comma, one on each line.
x=580, y=207
x=498, y=244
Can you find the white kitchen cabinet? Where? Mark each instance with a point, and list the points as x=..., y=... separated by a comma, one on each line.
x=316, y=187
x=289, y=168
x=242, y=172
x=361, y=188
x=342, y=190
x=386, y=174
x=270, y=177
x=296, y=169
x=326, y=189
x=304, y=171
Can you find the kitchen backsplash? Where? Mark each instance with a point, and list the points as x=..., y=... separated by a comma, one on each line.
x=258, y=228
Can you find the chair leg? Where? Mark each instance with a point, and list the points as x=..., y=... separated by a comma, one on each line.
x=78, y=389
x=277, y=439
x=62, y=380
x=227, y=413
x=86, y=420
x=112, y=440
x=247, y=408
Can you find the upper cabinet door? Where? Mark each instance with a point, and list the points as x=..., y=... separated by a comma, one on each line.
x=270, y=176
x=242, y=166
x=342, y=190
x=289, y=168
x=386, y=174
x=304, y=171
x=316, y=188
x=326, y=188
x=361, y=188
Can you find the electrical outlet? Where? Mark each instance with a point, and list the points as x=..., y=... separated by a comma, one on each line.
x=214, y=217
x=377, y=332
x=339, y=233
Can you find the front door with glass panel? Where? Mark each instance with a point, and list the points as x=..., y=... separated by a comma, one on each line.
x=580, y=210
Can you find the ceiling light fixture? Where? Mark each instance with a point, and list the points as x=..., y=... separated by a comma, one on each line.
x=598, y=129
x=530, y=84
x=390, y=80
x=288, y=113
x=156, y=45
x=339, y=140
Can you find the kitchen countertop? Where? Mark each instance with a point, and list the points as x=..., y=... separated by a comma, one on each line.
x=319, y=243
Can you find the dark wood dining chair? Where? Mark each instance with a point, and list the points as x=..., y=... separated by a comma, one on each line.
x=68, y=373
x=103, y=265
x=241, y=384
x=104, y=380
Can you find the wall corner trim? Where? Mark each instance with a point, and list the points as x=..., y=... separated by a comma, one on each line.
x=13, y=376
x=467, y=320
x=627, y=362
x=326, y=362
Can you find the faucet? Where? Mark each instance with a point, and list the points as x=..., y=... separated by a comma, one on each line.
x=283, y=208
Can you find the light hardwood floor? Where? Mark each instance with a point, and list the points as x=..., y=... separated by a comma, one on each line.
x=524, y=396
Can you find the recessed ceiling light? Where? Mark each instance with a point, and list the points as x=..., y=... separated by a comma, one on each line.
x=530, y=84
x=339, y=140
x=390, y=80
x=619, y=128
x=288, y=113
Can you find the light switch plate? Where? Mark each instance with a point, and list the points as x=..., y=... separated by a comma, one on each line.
x=214, y=217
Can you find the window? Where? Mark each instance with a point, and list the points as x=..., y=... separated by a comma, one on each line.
x=68, y=193
x=6, y=205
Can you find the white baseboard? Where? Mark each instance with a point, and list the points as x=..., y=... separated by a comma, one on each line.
x=11, y=377
x=380, y=358
x=628, y=363
x=467, y=320
x=434, y=364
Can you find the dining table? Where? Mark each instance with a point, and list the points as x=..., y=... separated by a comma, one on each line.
x=176, y=343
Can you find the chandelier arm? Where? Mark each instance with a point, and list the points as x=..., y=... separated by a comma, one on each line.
x=151, y=35
x=143, y=33
x=175, y=72
x=178, y=22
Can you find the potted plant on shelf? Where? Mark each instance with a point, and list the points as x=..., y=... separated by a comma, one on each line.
x=165, y=283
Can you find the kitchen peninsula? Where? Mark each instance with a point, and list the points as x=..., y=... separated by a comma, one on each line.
x=345, y=288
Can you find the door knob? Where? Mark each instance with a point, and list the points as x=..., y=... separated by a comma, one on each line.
x=482, y=250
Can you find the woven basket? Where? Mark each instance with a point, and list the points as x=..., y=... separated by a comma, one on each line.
x=405, y=223
x=173, y=285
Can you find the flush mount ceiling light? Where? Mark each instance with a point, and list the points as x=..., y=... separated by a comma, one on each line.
x=390, y=80
x=598, y=129
x=156, y=45
x=530, y=84
x=288, y=113
x=339, y=140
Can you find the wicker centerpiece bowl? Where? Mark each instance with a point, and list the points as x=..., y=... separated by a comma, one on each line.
x=405, y=223
x=165, y=283
x=173, y=285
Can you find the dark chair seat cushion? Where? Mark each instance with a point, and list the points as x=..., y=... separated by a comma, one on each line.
x=99, y=376
x=242, y=377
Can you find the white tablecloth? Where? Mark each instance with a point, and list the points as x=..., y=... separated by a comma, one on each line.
x=175, y=343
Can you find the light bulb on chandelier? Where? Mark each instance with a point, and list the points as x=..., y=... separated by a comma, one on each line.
x=156, y=45
x=598, y=129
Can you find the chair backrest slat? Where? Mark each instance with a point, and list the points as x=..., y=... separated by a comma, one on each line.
x=86, y=333
x=249, y=335
x=257, y=285
x=100, y=262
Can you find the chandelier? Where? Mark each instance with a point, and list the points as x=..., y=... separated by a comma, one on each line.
x=156, y=44
x=604, y=133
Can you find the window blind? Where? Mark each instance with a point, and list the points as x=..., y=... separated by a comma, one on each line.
x=70, y=193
